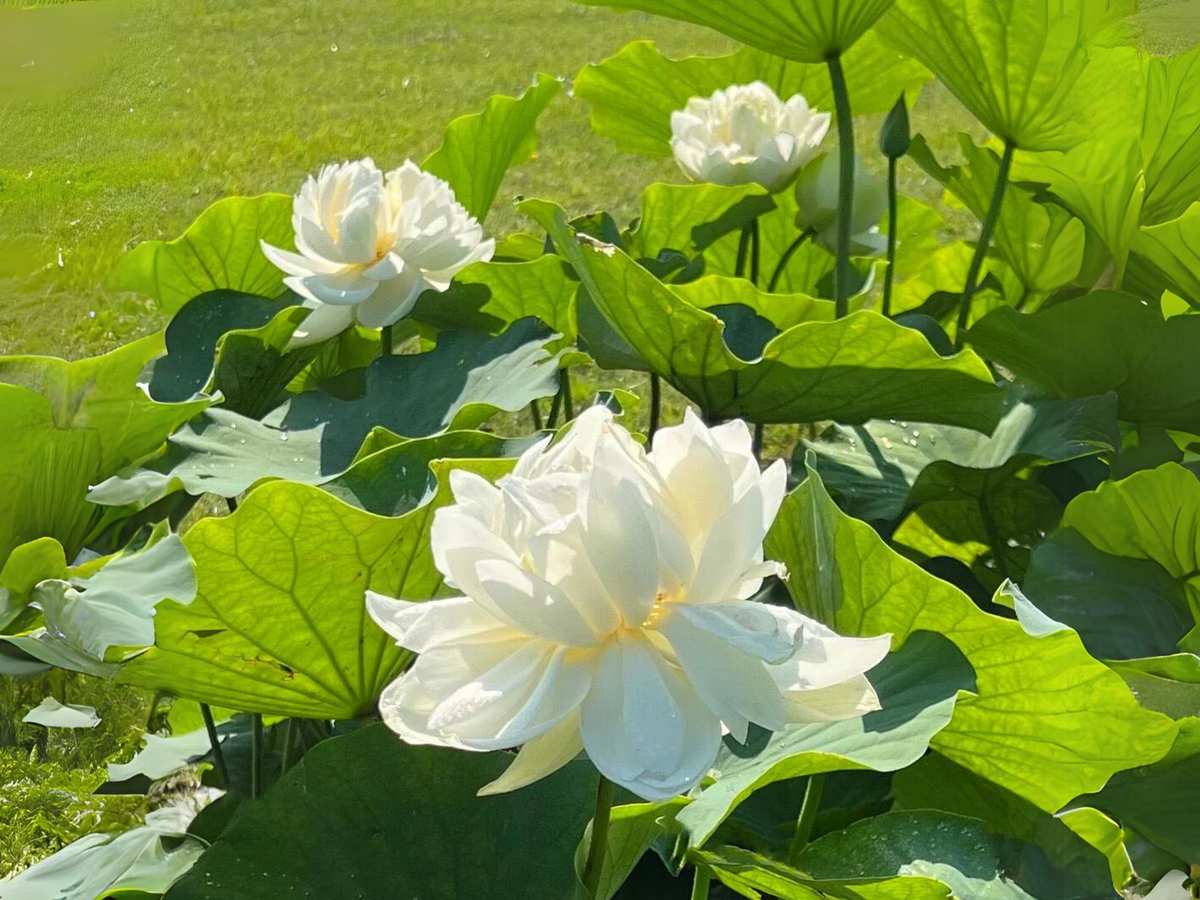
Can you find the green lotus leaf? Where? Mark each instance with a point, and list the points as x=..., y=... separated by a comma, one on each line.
x=146, y=859
x=633, y=828
x=633, y=94
x=279, y=622
x=226, y=454
x=1165, y=257
x=219, y=251
x=1167, y=684
x=1074, y=841
x=1012, y=63
x=1122, y=608
x=1098, y=343
x=850, y=370
x=464, y=381
x=1015, y=732
x=1042, y=242
x=192, y=337
x=958, y=851
x=71, y=425
x=27, y=565
x=365, y=814
x=689, y=218
x=491, y=296
x=480, y=148
x=1157, y=801
x=808, y=31
x=52, y=714
x=879, y=469
x=917, y=690
x=1152, y=515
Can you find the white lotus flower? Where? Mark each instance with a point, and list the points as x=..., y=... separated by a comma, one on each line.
x=1170, y=887
x=746, y=135
x=607, y=607
x=369, y=245
x=817, y=192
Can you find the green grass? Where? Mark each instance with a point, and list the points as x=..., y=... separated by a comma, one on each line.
x=178, y=104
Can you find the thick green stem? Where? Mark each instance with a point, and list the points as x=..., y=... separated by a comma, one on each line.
x=605, y=793
x=256, y=756
x=385, y=341
x=889, y=277
x=759, y=432
x=755, y=252
x=808, y=816
x=218, y=755
x=655, y=405
x=743, y=251
x=781, y=266
x=700, y=885
x=555, y=409
x=845, y=124
x=536, y=411
x=288, y=728
x=568, y=404
x=993, y=535
x=985, y=238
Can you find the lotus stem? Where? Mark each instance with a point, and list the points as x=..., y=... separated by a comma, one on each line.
x=287, y=745
x=605, y=792
x=555, y=408
x=700, y=885
x=536, y=412
x=808, y=816
x=845, y=125
x=743, y=252
x=385, y=341
x=755, y=252
x=565, y=386
x=985, y=238
x=256, y=756
x=218, y=755
x=759, y=431
x=889, y=277
x=655, y=405
x=781, y=266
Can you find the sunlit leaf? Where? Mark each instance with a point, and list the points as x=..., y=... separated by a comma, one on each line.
x=69, y=426
x=860, y=367
x=633, y=94
x=220, y=250
x=480, y=148
x=1015, y=731
x=279, y=622
x=1012, y=63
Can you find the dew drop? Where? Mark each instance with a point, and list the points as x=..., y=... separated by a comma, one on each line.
x=333, y=48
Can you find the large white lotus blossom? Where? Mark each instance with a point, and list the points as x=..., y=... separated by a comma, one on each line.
x=817, y=192
x=746, y=135
x=1170, y=887
x=370, y=244
x=607, y=608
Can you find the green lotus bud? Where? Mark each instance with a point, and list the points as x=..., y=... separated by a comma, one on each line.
x=895, y=137
x=817, y=194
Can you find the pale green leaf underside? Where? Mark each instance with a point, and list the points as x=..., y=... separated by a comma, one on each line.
x=804, y=30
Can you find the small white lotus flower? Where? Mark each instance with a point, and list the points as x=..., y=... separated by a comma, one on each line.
x=817, y=192
x=607, y=608
x=746, y=135
x=369, y=245
x=1170, y=887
